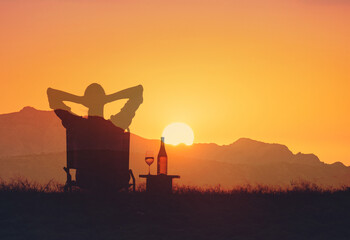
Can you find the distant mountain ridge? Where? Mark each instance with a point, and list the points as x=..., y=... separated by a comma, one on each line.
x=30, y=131
x=32, y=145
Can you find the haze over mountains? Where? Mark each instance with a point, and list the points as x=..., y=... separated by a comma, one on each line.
x=32, y=146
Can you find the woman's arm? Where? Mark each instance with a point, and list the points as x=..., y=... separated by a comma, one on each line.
x=124, y=118
x=56, y=98
x=133, y=92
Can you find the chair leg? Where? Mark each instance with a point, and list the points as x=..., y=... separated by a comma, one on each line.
x=133, y=180
x=67, y=188
x=68, y=185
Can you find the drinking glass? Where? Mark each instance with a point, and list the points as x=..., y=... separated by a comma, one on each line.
x=149, y=159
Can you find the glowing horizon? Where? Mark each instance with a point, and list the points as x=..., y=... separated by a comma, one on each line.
x=177, y=133
x=272, y=71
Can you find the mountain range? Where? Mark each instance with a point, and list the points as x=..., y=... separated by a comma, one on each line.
x=32, y=146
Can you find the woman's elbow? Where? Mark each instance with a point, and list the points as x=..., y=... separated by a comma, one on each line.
x=140, y=93
x=140, y=89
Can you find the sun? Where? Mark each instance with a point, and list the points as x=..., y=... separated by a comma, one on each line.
x=177, y=133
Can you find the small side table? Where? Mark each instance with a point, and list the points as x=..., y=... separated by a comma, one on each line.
x=159, y=183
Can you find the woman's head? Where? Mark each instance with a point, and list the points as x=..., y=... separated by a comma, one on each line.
x=94, y=99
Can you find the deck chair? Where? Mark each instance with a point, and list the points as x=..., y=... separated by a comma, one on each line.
x=99, y=168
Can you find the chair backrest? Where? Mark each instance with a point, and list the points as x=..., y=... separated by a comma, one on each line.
x=82, y=153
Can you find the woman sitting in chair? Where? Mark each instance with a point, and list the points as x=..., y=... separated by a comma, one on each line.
x=96, y=147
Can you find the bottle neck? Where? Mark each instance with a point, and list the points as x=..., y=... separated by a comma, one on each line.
x=162, y=147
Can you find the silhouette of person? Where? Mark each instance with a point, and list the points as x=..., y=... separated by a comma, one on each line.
x=94, y=143
x=95, y=99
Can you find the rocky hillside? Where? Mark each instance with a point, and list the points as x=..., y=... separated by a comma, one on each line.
x=32, y=145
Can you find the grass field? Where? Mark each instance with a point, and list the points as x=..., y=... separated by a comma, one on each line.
x=29, y=211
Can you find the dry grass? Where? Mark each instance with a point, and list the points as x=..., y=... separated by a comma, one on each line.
x=24, y=185
x=302, y=211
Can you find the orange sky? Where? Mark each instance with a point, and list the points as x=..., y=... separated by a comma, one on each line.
x=275, y=71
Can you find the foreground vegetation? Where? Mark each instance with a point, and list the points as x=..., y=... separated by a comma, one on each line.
x=303, y=211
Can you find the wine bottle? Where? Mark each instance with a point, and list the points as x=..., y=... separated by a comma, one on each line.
x=162, y=160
